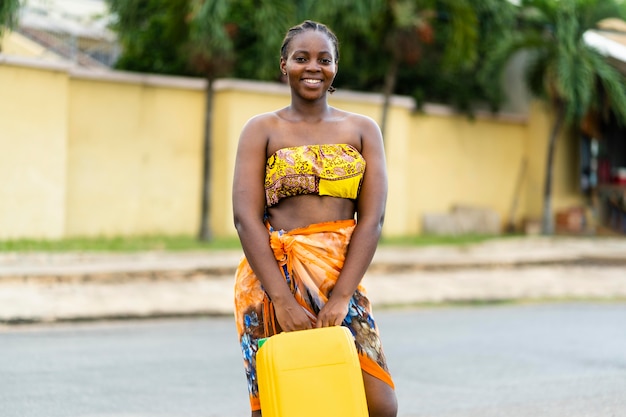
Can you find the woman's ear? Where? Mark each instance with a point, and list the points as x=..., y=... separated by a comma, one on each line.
x=283, y=66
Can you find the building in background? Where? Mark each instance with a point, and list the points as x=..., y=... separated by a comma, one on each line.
x=603, y=142
x=73, y=30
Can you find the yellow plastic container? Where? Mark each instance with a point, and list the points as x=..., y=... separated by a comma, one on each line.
x=311, y=373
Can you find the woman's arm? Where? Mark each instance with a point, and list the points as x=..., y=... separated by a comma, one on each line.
x=370, y=215
x=248, y=211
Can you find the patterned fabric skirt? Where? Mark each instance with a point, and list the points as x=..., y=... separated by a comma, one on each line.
x=310, y=259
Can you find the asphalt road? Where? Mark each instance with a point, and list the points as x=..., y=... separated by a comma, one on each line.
x=513, y=360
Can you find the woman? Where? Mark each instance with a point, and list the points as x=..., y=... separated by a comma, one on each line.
x=300, y=180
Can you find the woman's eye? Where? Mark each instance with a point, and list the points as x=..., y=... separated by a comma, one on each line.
x=300, y=59
x=325, y=61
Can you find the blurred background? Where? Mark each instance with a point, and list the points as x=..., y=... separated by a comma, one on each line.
x=120, y=118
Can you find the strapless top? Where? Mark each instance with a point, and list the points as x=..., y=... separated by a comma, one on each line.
x=332, y=169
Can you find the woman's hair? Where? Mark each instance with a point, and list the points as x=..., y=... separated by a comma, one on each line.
x=309, y=25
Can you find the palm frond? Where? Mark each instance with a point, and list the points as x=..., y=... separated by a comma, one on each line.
x=275, y=17
x=585, y=91
x=613, y=85
x=538, y=64
x=590, y=12
x=207, y=25
x=463, y=50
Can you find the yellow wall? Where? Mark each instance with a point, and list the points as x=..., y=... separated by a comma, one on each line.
x=98, y=153
x=33, y=140
x=110, y=153
x=134, y=158
x=456, y=161
x=235, y=103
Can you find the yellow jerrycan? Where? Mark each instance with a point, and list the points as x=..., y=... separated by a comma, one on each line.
x=310, y=373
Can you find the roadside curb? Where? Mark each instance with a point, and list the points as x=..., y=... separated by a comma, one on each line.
x=39, y=288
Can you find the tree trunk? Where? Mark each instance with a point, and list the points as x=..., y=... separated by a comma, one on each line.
x=205, y=233
x=388, y=89
x=548, y=218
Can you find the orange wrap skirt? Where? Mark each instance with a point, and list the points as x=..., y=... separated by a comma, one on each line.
x=311, y=259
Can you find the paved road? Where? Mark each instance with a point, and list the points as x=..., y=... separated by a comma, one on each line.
x=551, y=360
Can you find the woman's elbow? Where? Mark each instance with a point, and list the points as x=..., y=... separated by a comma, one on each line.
x=239, y=222
x=374, y=223
x=244, y=220
x=381, y=220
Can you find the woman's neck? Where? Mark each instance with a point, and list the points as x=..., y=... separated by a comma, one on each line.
x=309, y=111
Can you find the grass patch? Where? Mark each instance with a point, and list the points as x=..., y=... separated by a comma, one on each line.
x=118, y=244
x=431, y=240
x=190, y=243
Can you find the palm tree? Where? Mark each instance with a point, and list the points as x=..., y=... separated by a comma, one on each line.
x=406, y=28
x=8, y=15
x=211, y=52
x=571, y=76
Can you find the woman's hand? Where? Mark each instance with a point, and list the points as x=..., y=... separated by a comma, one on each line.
x=333, y=313
x=291, y=316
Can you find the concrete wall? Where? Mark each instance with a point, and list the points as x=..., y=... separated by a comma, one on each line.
x=134, y=156
x=33, y=143
x=110, y=153
x=456, y=161
x=98, y=154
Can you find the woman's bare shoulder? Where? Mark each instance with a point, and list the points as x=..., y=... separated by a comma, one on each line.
x=258, y=130
x=367, y=127
x=262, y=120
x=358, y=119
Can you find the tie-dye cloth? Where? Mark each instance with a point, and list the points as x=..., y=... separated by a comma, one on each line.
x=310, y=259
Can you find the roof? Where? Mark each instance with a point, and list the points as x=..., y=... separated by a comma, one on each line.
x=76, y=30
x=81, y=18
x=610, y=40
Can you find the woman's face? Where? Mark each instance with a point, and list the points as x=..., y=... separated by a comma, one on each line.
x=310, y=64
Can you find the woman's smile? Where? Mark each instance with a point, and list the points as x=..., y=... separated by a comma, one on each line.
x=312, y=82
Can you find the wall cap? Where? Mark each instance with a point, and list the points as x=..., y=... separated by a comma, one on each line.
x=158, y=80
x=267, y=87
x=22, y=61
x=77, y=72
x=433, y=109
x=225, y=84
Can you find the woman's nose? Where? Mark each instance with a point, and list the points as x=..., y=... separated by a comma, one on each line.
x=313, y=66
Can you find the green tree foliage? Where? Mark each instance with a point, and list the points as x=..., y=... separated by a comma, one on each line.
x=153, y=34
x=454, y=79
x=8, y=15
x=569, y=74
x=428, y=49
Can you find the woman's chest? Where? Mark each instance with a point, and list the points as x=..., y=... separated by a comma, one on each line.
x=288, y=135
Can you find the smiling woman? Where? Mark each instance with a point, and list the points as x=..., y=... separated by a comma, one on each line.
x=309, y=194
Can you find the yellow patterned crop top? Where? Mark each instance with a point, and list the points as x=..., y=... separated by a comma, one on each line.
x=333, y=170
